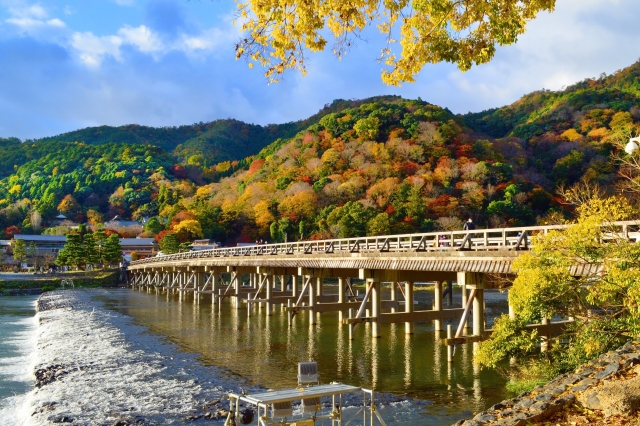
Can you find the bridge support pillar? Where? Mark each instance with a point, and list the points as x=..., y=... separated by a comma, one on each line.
x=201, y=278
x=408, y=305
x=437, y=304
x=393, y=294
x=181, y=284
x=341, y=283
x=269, y=287
x=476, y=281
x=313, y=293
x=462, y=282
x=294, y=286
x=375, y=306
x=215, y=283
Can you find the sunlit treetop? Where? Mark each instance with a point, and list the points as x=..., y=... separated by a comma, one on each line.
x=280, y=33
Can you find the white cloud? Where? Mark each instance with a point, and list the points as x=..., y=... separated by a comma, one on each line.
x=92, y=49
x=142, y=38
x=209, y=40
x=32, y=18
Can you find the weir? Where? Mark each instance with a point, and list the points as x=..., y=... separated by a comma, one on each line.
x=294, y=277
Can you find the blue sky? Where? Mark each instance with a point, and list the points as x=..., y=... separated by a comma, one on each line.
x=70, y=64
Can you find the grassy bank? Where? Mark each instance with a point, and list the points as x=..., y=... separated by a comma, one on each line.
x=16, y=283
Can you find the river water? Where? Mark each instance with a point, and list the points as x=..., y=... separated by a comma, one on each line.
x=17, y=347
x=209, y=349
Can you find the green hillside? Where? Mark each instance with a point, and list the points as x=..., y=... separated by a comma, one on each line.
x=579, y=106
x=358, y=167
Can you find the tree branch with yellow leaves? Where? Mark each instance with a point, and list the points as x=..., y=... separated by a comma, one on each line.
x=278, y=33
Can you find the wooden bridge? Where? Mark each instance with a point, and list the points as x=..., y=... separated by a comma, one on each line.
x=293, y=276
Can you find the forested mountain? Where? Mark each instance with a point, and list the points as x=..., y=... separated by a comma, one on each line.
x=585, y=107
x=358, y=167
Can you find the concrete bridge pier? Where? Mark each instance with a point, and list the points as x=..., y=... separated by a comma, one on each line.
x=294, y=287
x=408, y=305
x=465, y=294
x=437, y=304
x=269, y=294
x=393, y=294
x=376, y=298
x=313, y=295
x=475, y=281
x=341, y=296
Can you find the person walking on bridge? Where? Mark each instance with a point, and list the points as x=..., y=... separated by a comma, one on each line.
x=469, y=225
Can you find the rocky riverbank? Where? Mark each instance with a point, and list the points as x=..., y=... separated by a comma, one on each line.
x=607, y=387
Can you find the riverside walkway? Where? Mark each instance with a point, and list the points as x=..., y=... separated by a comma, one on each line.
x=293, y=276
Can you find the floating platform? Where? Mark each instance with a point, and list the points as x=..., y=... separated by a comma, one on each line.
x=275, y=407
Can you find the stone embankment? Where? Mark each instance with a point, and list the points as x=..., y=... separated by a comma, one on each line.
x=610, y=384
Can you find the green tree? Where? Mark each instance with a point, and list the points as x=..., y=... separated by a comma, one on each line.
x=604, y=303
x=32, y=253
x=100, y=238
x=153, y=226
x=170, y=244
x=19, y=251
x=62, y=259
x=351, y=219
x=74, y=250
x=184, y=247
x=91, y=255
x=112, y=251
x=379, y=225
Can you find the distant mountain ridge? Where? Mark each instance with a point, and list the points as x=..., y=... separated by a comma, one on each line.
x=543, y=111
x=370, y=166
x=215, y=141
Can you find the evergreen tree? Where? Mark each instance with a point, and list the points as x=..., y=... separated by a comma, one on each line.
x=112, y=250
x=184, y=247
x=100, y=238
x=19, y=250
x=32, y=251
x=153, y=226
x=91, y=256
x=62, y=259
x=74, y=249
x=170, y=244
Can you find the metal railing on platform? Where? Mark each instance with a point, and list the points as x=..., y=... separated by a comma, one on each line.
x=478, y=239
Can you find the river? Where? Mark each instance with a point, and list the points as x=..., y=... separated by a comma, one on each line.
x=224, y=348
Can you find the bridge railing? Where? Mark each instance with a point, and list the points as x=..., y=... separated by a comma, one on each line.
x=479, y=239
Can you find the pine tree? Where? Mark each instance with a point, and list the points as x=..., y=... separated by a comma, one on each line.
x=62, y=259
x=170, y=244
x=91, y=256
x=32, y=252
x=100, y=238
x=112, y=251
x=74, y=249
x=19, y=250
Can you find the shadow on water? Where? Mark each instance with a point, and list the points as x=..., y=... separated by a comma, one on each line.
x=264, y=350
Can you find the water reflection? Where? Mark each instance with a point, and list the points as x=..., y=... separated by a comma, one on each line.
x=265, y=349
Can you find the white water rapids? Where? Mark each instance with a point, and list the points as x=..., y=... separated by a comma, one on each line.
x=115, y=372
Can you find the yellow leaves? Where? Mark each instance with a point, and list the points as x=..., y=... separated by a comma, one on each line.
x=15, y=189
x=278, y=33
x=303, y=204
x=189, y=226
x=571, y=135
